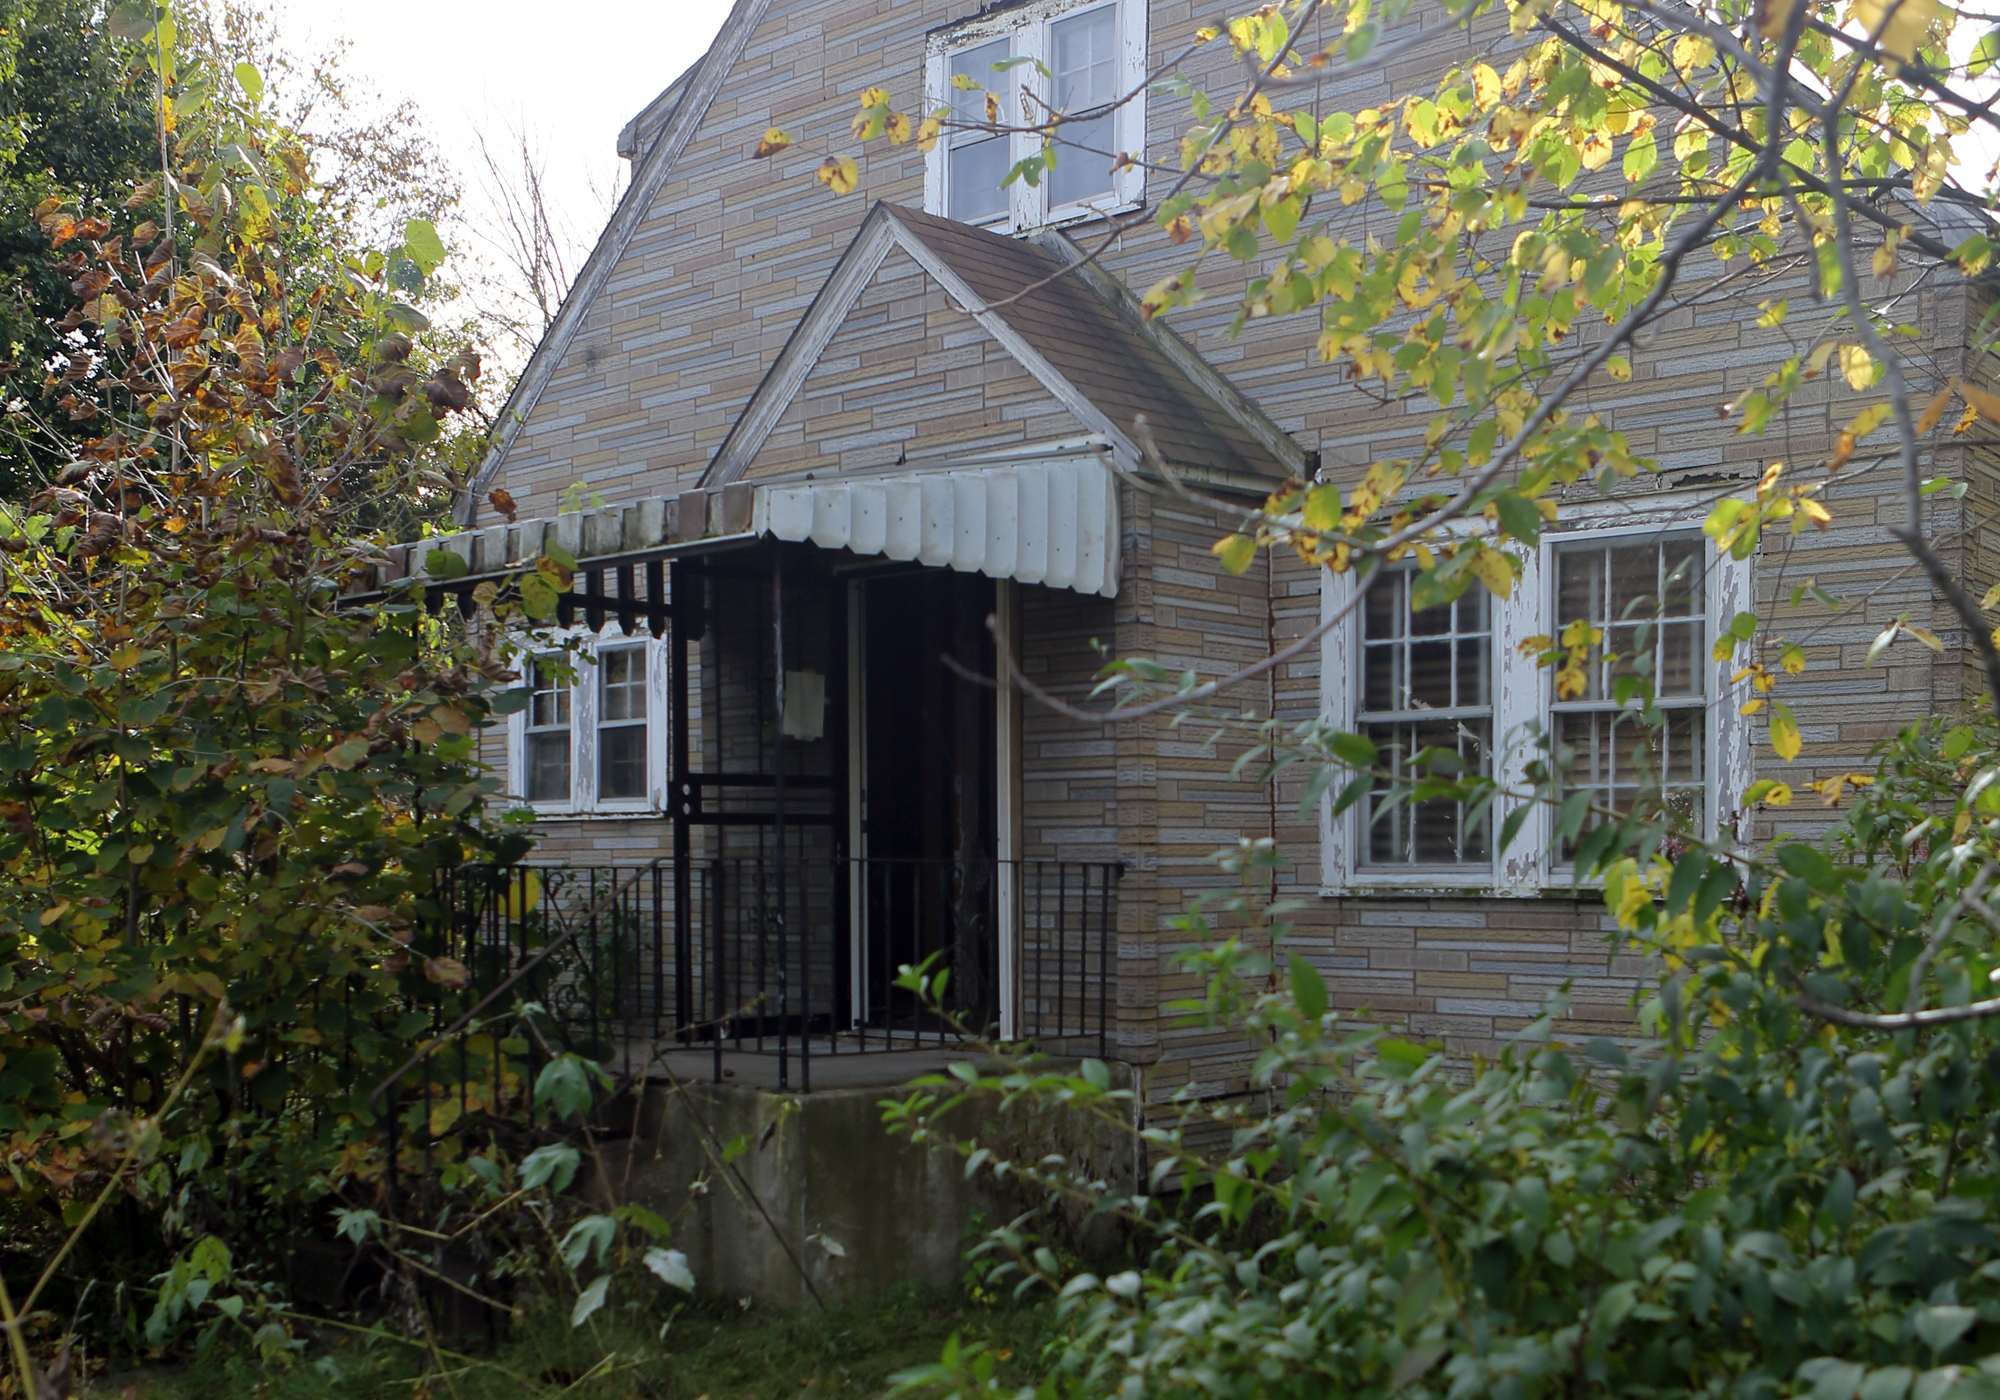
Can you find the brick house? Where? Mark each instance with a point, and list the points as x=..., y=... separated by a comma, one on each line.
x=823, y=439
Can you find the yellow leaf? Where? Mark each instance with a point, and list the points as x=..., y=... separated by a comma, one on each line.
x=1771, y=16
x=1856, y=367
x=1785, y=740
x=1933, y=411
x=1495, y=570
x=1322, y=507
x=125, y=658
x=927, y=133
x=1619, y=368
x=1986, y=404
x=1235, y=552
x=1843, y=448
x=1991, y=597
x=1868, y=420
x=839, y=174
x=1780, y=795
x=1793, y=659
x=1821, y=353
x=1750, y=707
x=1571, y=683
x=1929, y=639
x=773, y=142
x=1908, y=23
x=1595, y=151
x=1883, y=264
x=1486, y=89
x=875, y=97
x=897, y=128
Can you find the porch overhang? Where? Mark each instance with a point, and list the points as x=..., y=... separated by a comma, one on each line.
x=1049, y=517
x=1054, y=523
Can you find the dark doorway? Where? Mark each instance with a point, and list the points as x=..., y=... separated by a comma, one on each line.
x=929, y=809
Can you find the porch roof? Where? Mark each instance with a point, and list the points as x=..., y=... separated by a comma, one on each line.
x=1048, y=515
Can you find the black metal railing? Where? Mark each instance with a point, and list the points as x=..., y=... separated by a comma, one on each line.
x=799, y=959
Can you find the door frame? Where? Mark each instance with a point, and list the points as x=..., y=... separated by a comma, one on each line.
x=1006, y=789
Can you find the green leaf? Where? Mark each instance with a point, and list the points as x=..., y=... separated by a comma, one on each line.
x=251, y=81
x=538, y=596
x=589, y=1301
x=1518, y=516
x=1941, y=1325
x=671, y=1266
x=1353, y=750
x=563, y=1086
x=421, y=242
x=1236, y=552
x=405, y=317
x=1282, y=218
x=553, y=1166
x=1307, y=989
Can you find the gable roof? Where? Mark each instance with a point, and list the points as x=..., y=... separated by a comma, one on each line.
x=1082, y=337
x=696, y=91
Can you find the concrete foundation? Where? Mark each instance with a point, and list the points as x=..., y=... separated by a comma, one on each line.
x=816, y=1197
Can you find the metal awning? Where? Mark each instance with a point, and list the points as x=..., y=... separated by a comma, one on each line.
x=1052, y=523
x=1050, y=517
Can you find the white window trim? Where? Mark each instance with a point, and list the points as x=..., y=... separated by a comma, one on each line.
x=583, y=798
x=1027, y=27
x=1521, y=694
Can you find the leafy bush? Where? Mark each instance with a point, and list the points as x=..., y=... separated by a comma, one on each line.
x=1748, y=1198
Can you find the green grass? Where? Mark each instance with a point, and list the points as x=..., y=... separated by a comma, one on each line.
x=711, y=1348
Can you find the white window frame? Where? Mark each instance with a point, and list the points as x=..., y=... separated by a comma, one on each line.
x=1027, y=30
x=583, y=708
x=1522, y=692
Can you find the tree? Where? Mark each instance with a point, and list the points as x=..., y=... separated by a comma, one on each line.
x=1786, y=1186
x=226, y=795
x=78, y=130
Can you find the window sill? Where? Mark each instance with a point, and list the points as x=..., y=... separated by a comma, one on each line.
x=1444, y=887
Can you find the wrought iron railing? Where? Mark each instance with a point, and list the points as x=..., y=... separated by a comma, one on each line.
x=799, y=959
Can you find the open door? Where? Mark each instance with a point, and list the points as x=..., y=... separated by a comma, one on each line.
x=926, y=807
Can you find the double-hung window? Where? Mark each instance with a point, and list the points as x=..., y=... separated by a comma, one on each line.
x=1448, y=689
x=592, y=737
x=1019, y=69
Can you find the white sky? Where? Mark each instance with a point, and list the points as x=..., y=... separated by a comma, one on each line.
x=569, y=75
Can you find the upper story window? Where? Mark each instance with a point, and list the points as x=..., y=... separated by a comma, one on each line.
x=1449, y=685
x=593, y=740
x=1012, y=69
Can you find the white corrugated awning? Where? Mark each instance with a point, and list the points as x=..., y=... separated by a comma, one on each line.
x=1050, y=522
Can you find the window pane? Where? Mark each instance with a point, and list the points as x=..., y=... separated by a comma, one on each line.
x=548, y=767
x=549, y=704
x=1085, y=70
x=977, y=168
x=621, y=761
x=1648, y=599
x=621, y=685
x=1414, y=665
x=1432, y=832
x=976, y=65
